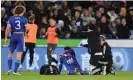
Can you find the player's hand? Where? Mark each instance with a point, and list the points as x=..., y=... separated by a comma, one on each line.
x=61, y=54
x=6, y=41
x=26, y=36
x=81, y=45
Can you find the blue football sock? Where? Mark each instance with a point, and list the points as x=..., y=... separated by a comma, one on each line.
x=10, y=63
x=30, y=65
x=60, y=67
x=17, y=63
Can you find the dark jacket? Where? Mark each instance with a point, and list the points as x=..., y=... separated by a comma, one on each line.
x=130, y=22
x=93, y=41
x=104, y=29
x=106, y=49
x=123, y=32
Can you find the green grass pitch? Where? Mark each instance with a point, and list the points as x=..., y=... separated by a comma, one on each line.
x=36, y=76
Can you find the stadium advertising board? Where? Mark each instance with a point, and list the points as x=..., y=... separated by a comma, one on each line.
x=122, y=58
x=77, y=42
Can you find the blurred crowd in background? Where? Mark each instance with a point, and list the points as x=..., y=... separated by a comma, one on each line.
x=114, y=19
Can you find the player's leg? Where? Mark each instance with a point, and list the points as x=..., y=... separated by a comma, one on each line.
x=71, y=70
x=23, y=56
x=17, y=63
x=109, y=66
x=53, y=49
x=10, y=61
x=96, y=68
x=24, y=53
x=20, y=49
x=49, y=54
x=12, y=47
x=31, y=50
x=50, y=51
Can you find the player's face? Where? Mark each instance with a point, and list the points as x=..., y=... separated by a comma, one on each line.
x=102, y=42
x=52, y=22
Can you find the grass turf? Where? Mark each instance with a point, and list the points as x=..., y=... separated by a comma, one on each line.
x=36, y=76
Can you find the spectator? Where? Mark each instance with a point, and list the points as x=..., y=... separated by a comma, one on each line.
x=73, y=28
x=90, y=10
x=20, y=3
x=85, y=17
x=8, y=5
x=42, y=33
x=60, y=25
x=65, y=19
x=123, y=30
x=43, y=26
x=30, y=13
x=74, y=33
x=73, y=24
x=122, y=13
x=65, y=7
x=113, y=29
x=68, y=14
x=67, y=35
x=56, y=15
x=112, y=15
x=98, y=16
x=39, y=11
x=101, y=10
x=3, y=21
x=118, y=21
x=76, y=7
x=50, y=14
x=78, y=20
x=104, y=28
x=130, y=18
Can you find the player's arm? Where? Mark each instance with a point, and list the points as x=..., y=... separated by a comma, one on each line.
x=60, y=65
x=26, y=27
x=104, y=50
x=8, y=28
x=86, y=33
x=84, y=45
x=47, y=33
x=57, y=32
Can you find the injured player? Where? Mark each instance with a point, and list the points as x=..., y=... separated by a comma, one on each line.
x=68, y=59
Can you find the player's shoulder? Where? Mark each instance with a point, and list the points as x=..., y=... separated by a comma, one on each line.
x=23, y=17
x=106, y=44
x=35, y=25
x=11, y=17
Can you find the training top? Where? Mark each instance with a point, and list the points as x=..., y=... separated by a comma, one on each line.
x=32, y=33
x=51, y=34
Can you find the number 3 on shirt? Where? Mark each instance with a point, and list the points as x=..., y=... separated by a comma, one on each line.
x=18, y=25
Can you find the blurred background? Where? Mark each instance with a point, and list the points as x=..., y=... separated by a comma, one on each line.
x=114, y=19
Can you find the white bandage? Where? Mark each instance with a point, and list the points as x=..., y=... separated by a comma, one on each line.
x=100, y=53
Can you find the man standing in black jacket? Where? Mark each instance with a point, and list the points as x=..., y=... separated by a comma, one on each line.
x=94, y=48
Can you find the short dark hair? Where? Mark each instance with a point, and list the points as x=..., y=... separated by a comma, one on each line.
x=67, y=48
x=78, y=11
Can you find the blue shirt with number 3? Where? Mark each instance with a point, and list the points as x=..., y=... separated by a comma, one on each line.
x=17, y=23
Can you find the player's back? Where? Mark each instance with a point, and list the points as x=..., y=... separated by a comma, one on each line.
x=32, y=33
x=17, y=23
